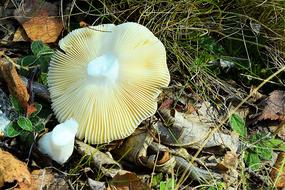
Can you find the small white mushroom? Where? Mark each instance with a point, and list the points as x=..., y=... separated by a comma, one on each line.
x=59, y=143
x=108, y=79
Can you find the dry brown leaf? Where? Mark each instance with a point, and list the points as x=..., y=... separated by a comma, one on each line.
x=20, y=35
x=83, y=24
x=44, y=28
x=12, y=170
x=166, y=104
x=255, y=95
x=42, y=23
x=127, y=181
x=31, y=108
x=44, y=179
x=15, y=84
x=275, y=106
x=164, y=158
x=279, y=130
x=190, y=130
x=190, y=108
x=278, y=171
x=230, y=161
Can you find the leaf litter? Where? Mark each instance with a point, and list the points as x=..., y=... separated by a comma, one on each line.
x=39, y=20
x=164, y=144
x=11, y=169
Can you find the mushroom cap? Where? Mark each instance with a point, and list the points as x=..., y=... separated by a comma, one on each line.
x=108, y=79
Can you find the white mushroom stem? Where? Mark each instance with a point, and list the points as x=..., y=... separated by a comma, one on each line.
x=59, y=143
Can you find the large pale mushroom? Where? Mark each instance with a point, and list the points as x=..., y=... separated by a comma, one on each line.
x=108, y=79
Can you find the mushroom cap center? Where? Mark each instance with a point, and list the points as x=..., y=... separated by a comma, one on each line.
x=105, y=66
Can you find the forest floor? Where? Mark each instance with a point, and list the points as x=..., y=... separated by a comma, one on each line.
x=220, y=124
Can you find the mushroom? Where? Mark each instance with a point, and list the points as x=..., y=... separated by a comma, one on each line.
x=59, y=143
x=108, y=78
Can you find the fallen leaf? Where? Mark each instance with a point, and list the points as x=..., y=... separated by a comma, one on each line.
x=96, y=185
x=43, y=28
x=20, y=35
x=11, y=169
x=135, y=146
x=194, y=172
x=39, y=20
x=279, y=129
x=140, y=149
x=190, y=108
x=277, y=173
x=15, y=84
x=45, y=179
x=190, y=130
x=31, y=108
x=83, y=24
x=255, y=95
x=102, y=161
x=230, y=161
x=158, y=158
x=164, y=158
x=166, y=104
x=127, y=181
x=275, y=106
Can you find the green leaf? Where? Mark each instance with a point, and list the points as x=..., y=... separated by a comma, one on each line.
x=44, y=63
x=38, y=124
x=254, y=138
x=43, y=54
x=25, y=124
x=218, y=186
x=43, y=79
x=210, y=44
x=156, y=179
x=39, y=49
x=264, y=152
x=16, y=104
x=28, y=60
x=252, y=160
x=12, y=130
x=39, y=127
x=238, y=125
x=167, y=185
x=276, y=144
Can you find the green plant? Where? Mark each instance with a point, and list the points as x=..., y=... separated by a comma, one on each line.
x=262, y=148
x=218, y=186
x=169, y=184
x=25, y=127
x=40, y=59
x=261, y=144
x=159, y=182
x=238, y=125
